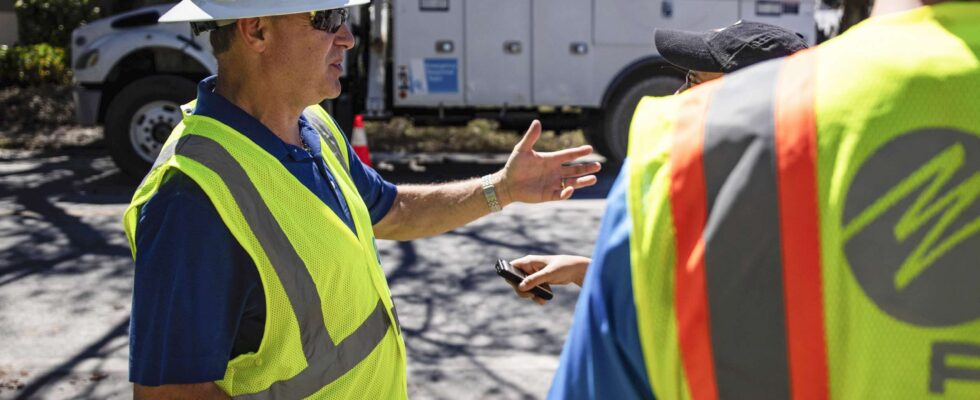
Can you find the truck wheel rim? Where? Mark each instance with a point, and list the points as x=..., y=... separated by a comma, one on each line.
x=150, y=127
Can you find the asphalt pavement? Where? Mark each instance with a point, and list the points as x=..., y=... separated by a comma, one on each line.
x=66, y=278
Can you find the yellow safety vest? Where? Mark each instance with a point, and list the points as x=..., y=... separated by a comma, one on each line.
x=810, y=227
x=331, y=329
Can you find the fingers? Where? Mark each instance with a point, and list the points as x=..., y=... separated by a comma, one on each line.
x=567, y=155
x=566, y=193
x=571, y=184
x=581, y=182
x=574, y=170
x=534, y=279
x=520, y=293
x=530, y=263
x=527, y=295
x=562, y=194
x=530, y=137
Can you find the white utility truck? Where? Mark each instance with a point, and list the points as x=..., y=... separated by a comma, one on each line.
x=573, y=64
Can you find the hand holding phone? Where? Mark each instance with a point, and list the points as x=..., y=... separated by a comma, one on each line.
x=515, y=276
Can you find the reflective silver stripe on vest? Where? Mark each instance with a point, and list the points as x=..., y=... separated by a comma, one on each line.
x=333, y=364
x=324, y=131
x=165, y=154
x=326, y=362
x=743, y=260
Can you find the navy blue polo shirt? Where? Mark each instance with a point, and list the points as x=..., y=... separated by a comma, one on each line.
x=197, y=296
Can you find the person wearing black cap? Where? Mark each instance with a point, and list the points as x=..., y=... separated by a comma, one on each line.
x=709, y=55
x=763, y=239
x=706, y=56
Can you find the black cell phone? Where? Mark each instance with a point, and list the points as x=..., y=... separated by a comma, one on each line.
x=515, y=276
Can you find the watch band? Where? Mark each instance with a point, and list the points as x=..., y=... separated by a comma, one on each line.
x=490, y=194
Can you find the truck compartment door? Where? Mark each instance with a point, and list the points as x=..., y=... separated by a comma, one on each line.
x=498, y=52
x=563, y=52
x=632, y=22
x=428, y=53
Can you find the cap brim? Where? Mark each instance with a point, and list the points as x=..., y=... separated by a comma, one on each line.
x=687, y=50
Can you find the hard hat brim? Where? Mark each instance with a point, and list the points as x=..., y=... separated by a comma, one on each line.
x=203, y=10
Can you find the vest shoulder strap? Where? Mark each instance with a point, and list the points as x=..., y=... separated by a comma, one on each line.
x=326, y=126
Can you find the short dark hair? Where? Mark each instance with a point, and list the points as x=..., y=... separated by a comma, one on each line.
x=221, y=39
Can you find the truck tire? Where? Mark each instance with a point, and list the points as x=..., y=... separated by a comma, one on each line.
x=141, y=117
x=609, y=131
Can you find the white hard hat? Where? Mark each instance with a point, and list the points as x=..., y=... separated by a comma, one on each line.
x=218, y=10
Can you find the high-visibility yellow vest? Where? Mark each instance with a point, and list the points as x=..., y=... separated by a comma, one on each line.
x=331, y=329
x=809, y=228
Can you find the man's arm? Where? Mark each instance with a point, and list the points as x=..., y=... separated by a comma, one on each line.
x=426, y=210
x=529, y=176
x=203, y=391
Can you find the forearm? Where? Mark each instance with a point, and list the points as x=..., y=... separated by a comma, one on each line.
x=426, y=210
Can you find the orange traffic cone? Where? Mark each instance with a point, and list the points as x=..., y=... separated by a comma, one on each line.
x=359, y=141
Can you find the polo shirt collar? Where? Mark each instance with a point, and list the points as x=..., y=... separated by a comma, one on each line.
x=213, y=105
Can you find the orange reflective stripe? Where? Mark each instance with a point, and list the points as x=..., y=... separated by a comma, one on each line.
x=796, y=158
x=688, y=207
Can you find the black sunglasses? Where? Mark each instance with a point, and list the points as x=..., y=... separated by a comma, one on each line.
x=329, y=20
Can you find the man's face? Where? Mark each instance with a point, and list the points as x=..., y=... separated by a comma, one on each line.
x=695, y=78
x=309, y=60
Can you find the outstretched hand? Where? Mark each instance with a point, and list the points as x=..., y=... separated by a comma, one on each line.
x=535, y=177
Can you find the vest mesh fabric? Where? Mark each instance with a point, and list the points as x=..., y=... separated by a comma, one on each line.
x=343, y=266
x=896, y=106
x=921, y=74
x=655, y=237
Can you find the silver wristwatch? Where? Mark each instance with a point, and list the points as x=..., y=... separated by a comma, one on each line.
x=490, y=194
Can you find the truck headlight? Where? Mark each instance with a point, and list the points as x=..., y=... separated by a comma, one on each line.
x=88, y=60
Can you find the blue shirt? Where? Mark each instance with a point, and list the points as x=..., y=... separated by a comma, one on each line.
x=197, y=297
x=602, y=358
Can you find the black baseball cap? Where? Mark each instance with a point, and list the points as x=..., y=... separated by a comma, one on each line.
x=729, y=49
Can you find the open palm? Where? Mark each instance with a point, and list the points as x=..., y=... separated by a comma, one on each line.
x=535, y=177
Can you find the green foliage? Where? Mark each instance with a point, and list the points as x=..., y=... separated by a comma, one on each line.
x=33, y=65
x=51, y=21
x=45, y=32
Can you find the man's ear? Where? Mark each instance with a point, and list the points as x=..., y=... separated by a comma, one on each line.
x=253, y=32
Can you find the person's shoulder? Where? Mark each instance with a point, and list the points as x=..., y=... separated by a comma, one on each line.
x=178, y=191
x=179, y=207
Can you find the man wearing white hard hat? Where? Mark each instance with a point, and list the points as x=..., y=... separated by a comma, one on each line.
x=257, y=274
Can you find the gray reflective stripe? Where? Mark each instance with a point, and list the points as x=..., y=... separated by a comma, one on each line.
x=165, y=154
x=398, y=323
x=326, y=368
x=324, y=131
x=326, y=362
x=743, y=262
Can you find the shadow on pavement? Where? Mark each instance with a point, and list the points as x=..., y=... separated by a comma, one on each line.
x=31, y=194
x=97, y=350
x=63, y=256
